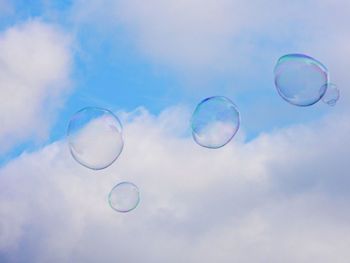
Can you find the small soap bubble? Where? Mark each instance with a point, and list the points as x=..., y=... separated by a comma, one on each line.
x=300, y=79
x=215, y=122
x=95, y=137
x=124, y=197
x=332, y=94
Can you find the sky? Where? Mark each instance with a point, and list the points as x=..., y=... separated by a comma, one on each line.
x=278, y=192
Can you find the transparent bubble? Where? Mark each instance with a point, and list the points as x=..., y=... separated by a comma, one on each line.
x=300, y=79
x=124, y=197
x=332, y=94
x=214, y=122
x=95, y=137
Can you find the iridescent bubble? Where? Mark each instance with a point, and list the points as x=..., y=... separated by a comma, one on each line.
x=300, y=79
x=124, y=197
x=332, y=94
x=214, y=122
x=95, y=137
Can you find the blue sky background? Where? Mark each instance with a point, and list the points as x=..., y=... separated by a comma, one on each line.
x=277, y=193
x=109, y=71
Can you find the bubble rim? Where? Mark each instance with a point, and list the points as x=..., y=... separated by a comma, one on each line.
x=197, y=108
x=138, y=197
x=68, y=135
x=310, y=60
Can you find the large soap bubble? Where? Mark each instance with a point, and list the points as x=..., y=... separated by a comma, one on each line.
x=124, y=197
x=332, y=94
x=300, y=79
x=214, y=122
x=95, y=137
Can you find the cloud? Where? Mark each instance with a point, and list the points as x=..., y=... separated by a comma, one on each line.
x=281, y=197
x=227, y=37
x=35, y=61
x=187, y=35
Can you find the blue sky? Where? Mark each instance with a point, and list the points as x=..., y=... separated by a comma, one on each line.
x=110, y=71
x=279, y=189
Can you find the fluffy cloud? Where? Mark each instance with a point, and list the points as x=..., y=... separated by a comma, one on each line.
x=236, y=37
x=282, y=197
x=35, y=60
x=187, y=35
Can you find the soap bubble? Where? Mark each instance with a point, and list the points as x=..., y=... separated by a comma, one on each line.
x=300, y=79
x=332, y=94
x=124, y=197
x=95, y=137
x=214, y=122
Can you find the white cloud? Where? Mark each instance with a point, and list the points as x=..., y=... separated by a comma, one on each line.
x=282, y=197
x=182, y=34
x=223, y=36
x=35, y=60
